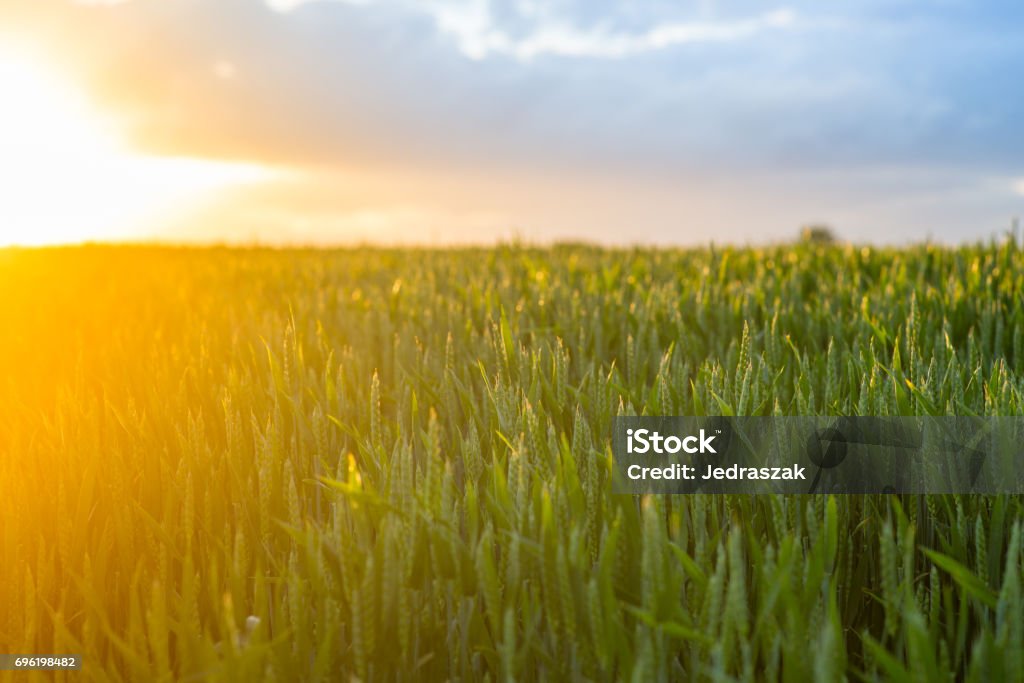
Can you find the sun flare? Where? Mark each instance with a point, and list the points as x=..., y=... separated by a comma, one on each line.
x=66, y=176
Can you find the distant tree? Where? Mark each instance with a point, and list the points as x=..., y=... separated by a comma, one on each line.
x=817, y=234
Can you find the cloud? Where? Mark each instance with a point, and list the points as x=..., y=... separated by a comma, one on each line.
x=285, y=6
x=479, y=39
x=645, y=93
x=571, y=84
x=479, y=32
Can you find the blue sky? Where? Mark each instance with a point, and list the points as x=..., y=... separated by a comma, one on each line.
x=614, y=121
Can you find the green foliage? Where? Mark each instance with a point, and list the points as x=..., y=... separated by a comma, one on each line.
x=394, y=464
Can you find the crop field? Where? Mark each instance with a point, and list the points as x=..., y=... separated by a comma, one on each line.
x=249, y=464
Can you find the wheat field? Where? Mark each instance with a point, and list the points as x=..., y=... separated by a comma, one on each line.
x=373, y=464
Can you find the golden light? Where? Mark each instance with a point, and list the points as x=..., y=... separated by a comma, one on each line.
x=65, y=176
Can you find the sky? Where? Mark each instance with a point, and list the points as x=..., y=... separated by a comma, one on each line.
x=436, y=121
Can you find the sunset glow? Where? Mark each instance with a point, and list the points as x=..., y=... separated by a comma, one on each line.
x=318, y=122
x=66, y=176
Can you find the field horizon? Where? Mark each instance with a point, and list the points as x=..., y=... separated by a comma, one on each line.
x=1011, y=233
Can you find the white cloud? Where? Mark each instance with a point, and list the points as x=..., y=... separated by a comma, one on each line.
x=570, y=42
x=478, y=33
x=472, y=26
x=285, y=5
